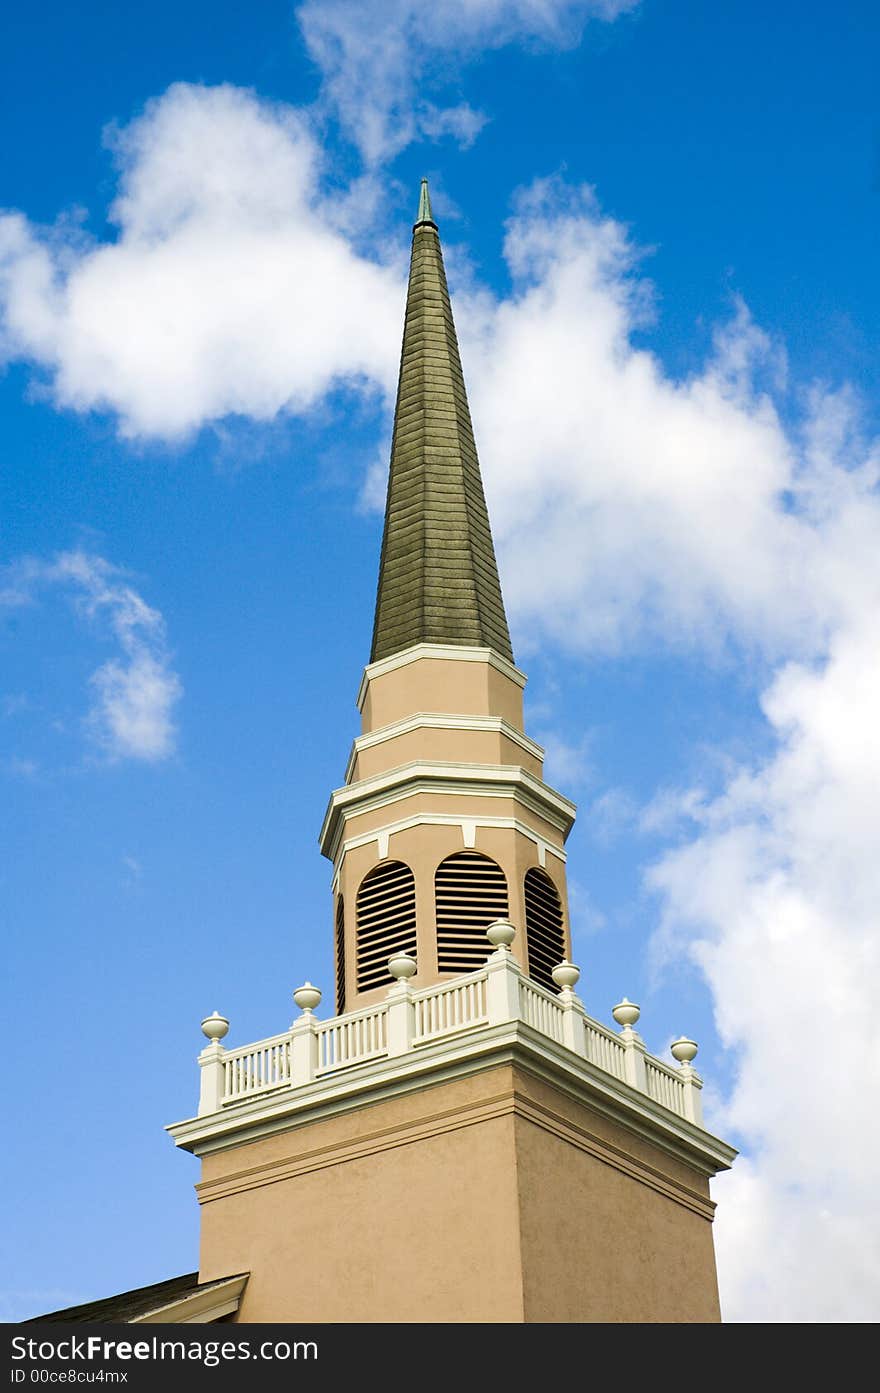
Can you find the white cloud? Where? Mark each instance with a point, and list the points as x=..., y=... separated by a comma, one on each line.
x=634, y=510
x=22, y=768
x=611, y=815
x=587, y=919
x=776, y=898
x=133, y=872
x=629, y=507
x=227, y=291
x=131, y=716
x=566, y=764
x=382, y=63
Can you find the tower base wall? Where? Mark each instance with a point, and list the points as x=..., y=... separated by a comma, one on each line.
x=494, y=1197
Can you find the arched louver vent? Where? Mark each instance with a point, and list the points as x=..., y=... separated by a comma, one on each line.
x=470, y=891
x=340, y=955
x=545, y=938
x=386, y=922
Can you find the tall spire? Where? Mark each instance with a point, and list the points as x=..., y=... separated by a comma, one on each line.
x=438, y=579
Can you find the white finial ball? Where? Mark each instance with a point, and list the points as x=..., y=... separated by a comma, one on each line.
x=215, y=1026
x=501, y=933
x=565, y=974
x=307, y=997
x=402, y=967
x=683, y=1049
x=626, y=1012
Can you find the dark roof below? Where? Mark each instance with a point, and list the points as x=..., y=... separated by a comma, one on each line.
x=129, y=1304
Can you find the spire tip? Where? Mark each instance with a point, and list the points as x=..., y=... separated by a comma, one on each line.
x=425, y=215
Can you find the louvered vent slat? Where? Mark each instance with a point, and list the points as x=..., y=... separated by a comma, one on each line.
x=340, y=955
x=545, y=938
x=470, y=891
x=386, y=922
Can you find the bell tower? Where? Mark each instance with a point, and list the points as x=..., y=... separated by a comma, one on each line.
x=460, y=1140
x=444, y=823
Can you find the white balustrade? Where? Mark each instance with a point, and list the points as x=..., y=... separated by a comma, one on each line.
x=458, y=1005
x=495, y=997
x=540, y=1010
x=352, y=1039
x=604, y=1049
x=665, y=1086
x=256, y=1068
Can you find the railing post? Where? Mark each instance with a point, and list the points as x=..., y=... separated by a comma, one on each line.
x=304, y=1036
x=211, y=1065
x=401, y=1018
x=693, y=1091
x=634, y=1059
x=303, y=1050
x=566, y=977
x=626, y=1013
x=401, y=1022
x=502, y=975
x=684, y=1051
x=212, y=1079
x=573, y=1033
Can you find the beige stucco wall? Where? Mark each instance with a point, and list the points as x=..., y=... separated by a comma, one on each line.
x=597, y=1244
x=398, y=1212
x=437, y=744
x=489, y=1198
x=457, y=686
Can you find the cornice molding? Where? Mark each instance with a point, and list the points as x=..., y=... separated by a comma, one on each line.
x=509, y=1102
x=458, y=780
x=468, y=826
x=447, y=652
x=432, y=720
x=454, y=1058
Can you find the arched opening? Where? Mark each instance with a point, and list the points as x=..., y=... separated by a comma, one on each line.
x=340, y=955
x=470, y=891
x=545, y=937
x=386, y=922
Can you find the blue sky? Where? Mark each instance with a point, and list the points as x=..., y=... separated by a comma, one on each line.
x=674, y=391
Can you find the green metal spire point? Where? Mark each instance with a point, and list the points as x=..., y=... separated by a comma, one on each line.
x=425, y=214
x=438, y=578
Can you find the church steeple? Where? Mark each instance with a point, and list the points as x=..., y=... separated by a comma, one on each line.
x=536, y=1149
x=438, y=579
x=444, y=822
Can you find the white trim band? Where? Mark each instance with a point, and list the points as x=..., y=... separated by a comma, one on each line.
x=445, y=652
x=469, y=827
x=430, y=720
x=458, y=780
x=453, y=1058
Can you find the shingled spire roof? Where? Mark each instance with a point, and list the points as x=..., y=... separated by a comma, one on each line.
x=438, y=581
